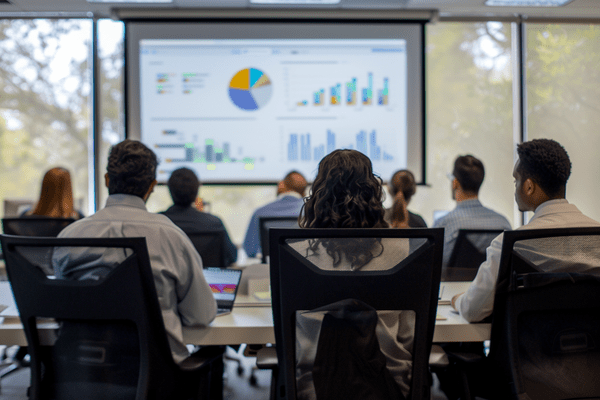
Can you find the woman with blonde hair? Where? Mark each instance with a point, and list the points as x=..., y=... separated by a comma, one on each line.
x=56, y=196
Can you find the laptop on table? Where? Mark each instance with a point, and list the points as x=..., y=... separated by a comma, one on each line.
x=224, y=284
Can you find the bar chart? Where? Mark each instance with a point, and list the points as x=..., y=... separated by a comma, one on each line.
x=302, y=147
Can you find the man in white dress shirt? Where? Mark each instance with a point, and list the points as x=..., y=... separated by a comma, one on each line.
x=183, y=293
x=541, y=175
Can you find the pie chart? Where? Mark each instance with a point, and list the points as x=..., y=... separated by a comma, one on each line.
x=250, y=89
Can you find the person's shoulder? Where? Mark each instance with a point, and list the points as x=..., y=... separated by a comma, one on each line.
x=446, y=219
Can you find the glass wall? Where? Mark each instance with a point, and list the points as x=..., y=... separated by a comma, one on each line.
x=45, y=111
x=563, y=101
x=112, y=126
x=45, y=79
x=469, y=111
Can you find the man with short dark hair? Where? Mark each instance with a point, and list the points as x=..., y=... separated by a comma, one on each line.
x=183, y=293
x=467, y=177
x=290, y=194
x=541, y=175
x=183, y=186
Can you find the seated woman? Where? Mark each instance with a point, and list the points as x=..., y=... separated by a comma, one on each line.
x=346, y=194
x=403, y=186
x=56, y=197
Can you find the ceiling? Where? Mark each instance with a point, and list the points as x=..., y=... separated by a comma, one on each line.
x=576, y=10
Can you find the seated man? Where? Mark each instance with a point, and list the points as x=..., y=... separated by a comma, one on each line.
x=467, y=177
x=541, y=175
x=290, y=192
x=184, y=296
x=183, y=186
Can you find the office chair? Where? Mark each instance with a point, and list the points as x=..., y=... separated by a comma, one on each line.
x=35, y=226
x=266, y=223
x=111, y=341
x=30, y=226
x=468, y=254
x=403, y=286
x=211, y=247
x=545, y=335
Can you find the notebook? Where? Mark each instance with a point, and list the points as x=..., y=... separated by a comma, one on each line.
x=224, y=284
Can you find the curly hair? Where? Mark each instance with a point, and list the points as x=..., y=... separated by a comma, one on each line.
x=469, y=172
x=131, y=168
x=345, y=194
x=183, y=186
x=545, y=162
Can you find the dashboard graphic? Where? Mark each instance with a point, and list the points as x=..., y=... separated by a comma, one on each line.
x=253, y=110
x=250, y=89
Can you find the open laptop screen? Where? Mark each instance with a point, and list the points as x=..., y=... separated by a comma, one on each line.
x=224, y=285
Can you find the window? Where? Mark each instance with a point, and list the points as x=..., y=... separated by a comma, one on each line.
x=563, y=101
x=45, y=79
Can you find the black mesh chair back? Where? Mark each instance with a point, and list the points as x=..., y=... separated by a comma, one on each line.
x=39, y=227
x=468, y=254
x=35, y=226
x=266, y=223
x=546, y=321
x=111, y=342
x=388, y=275
x=211, y=247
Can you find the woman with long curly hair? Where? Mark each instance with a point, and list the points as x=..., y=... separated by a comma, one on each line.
x=347, y=194
x=56, y=196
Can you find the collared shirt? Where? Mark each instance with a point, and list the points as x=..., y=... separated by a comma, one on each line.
x=478, y=301
x=468, y=214
x=191, y=221
x=183, y=293
x=288, y=204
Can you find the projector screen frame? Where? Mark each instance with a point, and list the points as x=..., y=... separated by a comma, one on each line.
x=419, y=168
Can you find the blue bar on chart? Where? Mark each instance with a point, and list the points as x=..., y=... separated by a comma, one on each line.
x=383, y=95
x=367, y=93
x=330, y=141
x=293, y=147
x=319, y=97
x=361, y=142
x=305, y=147
x=375, y=149
x=351, y=92
x=336, y=94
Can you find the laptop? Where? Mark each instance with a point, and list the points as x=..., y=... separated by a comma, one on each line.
x=224, y=284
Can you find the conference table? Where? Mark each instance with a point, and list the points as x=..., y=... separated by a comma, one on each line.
x=251, y=322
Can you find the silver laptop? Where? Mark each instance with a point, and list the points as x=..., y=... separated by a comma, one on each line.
x=224, y=284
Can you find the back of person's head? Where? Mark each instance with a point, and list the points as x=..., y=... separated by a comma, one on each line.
x=545, y=162
x=56, y=196
x=131, y=168
x=403, y=181
x=183, y=186
x=469, y=172
x=345, y=194
x=294, y=181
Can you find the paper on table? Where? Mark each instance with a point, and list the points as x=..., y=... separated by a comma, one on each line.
x=263, y=296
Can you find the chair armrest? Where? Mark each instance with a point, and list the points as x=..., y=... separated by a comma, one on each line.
x=266, y=358
x=202, y=358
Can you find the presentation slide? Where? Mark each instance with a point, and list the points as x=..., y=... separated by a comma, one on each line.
x=251, y=110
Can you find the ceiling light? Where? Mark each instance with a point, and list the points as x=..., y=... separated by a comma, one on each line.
x=295, y=1
x=130, y=1
x=527, y=3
